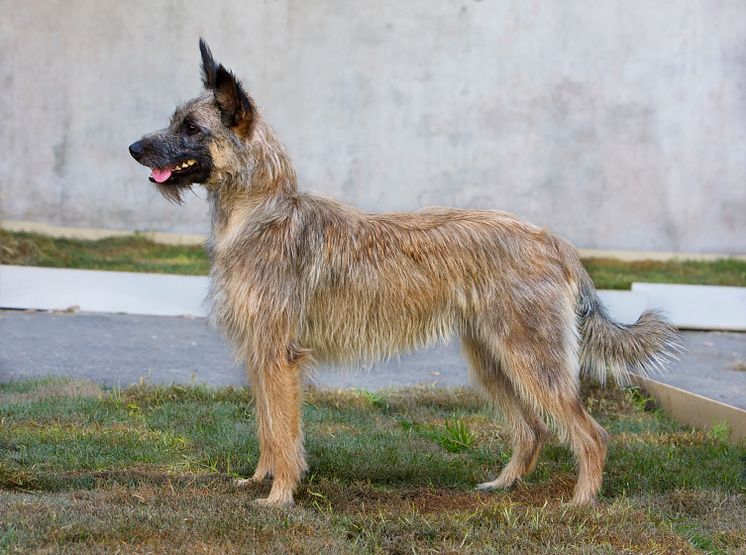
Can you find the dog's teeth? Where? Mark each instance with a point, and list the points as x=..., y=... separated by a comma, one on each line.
x=191, y=162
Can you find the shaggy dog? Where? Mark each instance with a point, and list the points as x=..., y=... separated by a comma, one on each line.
x=297, y=279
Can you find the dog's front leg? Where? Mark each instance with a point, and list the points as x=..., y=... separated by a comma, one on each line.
x=277, y=389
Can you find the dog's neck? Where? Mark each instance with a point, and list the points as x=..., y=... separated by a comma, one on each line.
x=264, y=191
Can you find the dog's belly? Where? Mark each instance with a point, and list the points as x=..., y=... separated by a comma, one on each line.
x=356, y=326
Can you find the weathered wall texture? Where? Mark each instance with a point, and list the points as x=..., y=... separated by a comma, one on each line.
x=619, y=124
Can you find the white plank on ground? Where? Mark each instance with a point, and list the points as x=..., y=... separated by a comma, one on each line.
x=29, y=287
x=702, y=307
x=624, y=306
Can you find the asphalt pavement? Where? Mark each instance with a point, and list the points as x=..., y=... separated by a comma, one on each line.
x=121, y=349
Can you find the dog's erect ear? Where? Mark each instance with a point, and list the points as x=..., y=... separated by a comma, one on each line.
x=235, y=106
x=209, y=67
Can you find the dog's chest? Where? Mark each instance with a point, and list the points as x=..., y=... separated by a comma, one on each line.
x=232, y=297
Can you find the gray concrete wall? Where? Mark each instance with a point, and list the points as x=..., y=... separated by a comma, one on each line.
x=620, y=124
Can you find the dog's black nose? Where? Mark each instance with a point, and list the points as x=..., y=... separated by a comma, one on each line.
x=136, y=150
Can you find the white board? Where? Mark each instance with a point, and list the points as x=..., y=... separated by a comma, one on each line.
x=30, y=287
x=699, y=307
x=624, y=306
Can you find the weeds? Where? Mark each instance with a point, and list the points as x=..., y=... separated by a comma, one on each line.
x=640, y=400
x=456, y=436
x=720, y=431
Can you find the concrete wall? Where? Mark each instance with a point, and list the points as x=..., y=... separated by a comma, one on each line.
x=620, y=124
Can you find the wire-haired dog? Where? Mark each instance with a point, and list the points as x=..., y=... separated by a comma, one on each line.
x=297, y=279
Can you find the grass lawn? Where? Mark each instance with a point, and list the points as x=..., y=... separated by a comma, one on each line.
x=138, y=254
x=130, y=254
x=150, y=469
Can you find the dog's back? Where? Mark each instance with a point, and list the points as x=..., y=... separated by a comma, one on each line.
x=380, y=284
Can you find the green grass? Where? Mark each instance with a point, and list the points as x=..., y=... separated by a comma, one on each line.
x=138, y=254
x=130, y=254
x=150, y=469
x=610, y=273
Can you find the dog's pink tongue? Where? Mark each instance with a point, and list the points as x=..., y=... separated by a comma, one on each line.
x=161, y=174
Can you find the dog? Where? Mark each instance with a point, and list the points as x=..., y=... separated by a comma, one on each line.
x=298, y=279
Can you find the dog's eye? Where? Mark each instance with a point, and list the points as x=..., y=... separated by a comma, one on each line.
x=192, y=129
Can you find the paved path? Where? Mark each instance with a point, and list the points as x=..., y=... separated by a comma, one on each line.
x=117, y=349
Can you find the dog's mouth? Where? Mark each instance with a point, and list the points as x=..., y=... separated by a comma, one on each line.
x=166, y=173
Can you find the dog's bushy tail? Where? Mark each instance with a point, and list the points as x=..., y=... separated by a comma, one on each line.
x=609, y=348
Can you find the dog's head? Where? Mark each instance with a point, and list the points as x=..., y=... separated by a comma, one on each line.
x=205, y=137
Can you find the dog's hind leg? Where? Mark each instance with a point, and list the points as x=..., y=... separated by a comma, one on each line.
x=277, y=389
x=543, y=369
x=527, y=429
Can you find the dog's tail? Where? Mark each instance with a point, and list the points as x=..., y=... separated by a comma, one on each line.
x=609, y=348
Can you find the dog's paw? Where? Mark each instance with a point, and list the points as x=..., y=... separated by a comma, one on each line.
x=495, y=484
x=584, y=500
